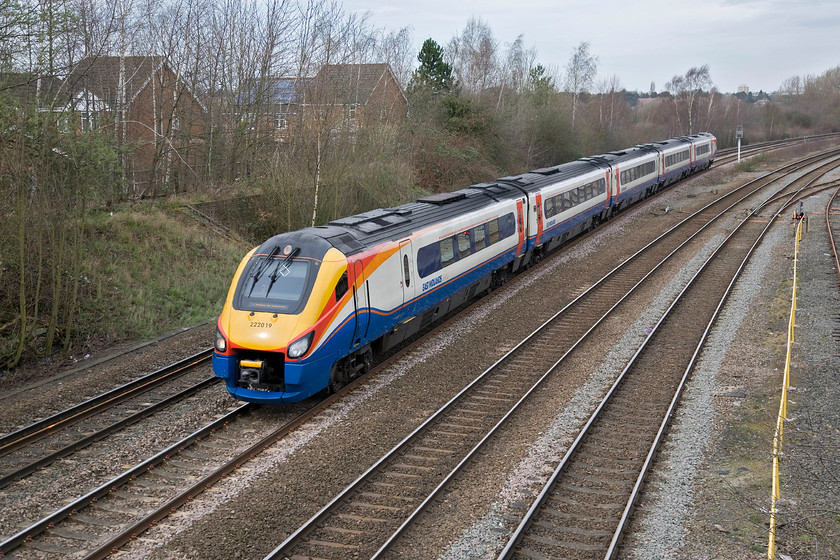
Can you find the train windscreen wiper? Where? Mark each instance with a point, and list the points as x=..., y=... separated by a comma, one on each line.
x=259, y=269
x=282, y=268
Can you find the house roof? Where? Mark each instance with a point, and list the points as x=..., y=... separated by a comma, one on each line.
x=272, y=91
x=349, y=84
x=100, y=75
x=26, y=88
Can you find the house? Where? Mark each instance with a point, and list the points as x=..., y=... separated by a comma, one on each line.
x=347, y=97
x=149, y=109
x=367, y=94
x=268, y=108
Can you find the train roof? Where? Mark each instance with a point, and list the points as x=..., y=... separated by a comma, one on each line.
x=354, y=233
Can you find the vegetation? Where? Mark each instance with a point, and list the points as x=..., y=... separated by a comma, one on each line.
x=73, y=275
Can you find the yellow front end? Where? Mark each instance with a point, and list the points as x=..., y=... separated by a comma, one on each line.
x=282, y=346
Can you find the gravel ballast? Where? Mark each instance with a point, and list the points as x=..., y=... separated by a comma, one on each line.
x=710, y=493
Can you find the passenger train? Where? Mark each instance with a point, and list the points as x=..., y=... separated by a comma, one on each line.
x=308, y=310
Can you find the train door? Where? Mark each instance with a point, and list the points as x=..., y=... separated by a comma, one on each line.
x=608, y=201
x=407, y=281
x=361, y=299
x=539, y=212
x=520, y=226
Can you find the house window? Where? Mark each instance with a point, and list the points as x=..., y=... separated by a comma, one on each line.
x=280, y=122
x=176, y=122
x=351, y=112
x=88, y=121
x=248, y=120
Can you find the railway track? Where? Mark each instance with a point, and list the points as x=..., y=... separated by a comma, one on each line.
x=730, y=155
x=37, y=445
x=605, y=468
x=122, y=531
x=370, y=514
x=832, y=226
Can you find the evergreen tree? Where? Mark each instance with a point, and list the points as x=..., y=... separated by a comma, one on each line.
x=433, y=71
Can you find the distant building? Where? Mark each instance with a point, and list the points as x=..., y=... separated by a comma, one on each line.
x=743, y=89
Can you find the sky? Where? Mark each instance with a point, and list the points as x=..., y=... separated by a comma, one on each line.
x=757, y=43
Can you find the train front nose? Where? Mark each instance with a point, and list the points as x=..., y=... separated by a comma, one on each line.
x=263, y=374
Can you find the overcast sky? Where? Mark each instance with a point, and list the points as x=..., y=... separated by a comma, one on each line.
x=758, y=43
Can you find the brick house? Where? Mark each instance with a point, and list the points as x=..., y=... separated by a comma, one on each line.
x=150, y=110
x=367, y=94
x=349, y=97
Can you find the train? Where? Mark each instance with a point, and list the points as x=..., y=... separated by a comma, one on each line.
x=309, y=310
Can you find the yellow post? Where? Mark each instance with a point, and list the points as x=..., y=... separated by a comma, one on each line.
x=775, y=493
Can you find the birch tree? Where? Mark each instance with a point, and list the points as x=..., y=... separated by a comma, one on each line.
x=580, y=74
x=686, y=90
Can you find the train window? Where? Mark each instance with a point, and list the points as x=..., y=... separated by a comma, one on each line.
x=341, y=287
x=548, y=207
x=574, y=198
x=406, y=272
x=464, y=249
x=428, y=260
x=602, y=186
x=493, y=230
x=447, y=251
x=508, y=226
x=480, y=237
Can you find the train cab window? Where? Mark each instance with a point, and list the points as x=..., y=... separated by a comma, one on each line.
x=479, y=237
x=464, y=249
x=406, y=271
x=493, y=230
x=279, y=287
x=341, y=287
x=447, y=251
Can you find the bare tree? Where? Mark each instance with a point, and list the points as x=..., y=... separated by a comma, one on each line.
x=473, y=57
x=580, y=73
x=686, y=89
x=609, y=101
x=514, y=73
x=791, y=86
x=397, y=50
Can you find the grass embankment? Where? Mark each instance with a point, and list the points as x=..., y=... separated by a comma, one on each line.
x=151, y=269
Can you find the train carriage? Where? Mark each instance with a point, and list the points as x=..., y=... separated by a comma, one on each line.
x=339, y=293
x=704, y=149
x=674, y=159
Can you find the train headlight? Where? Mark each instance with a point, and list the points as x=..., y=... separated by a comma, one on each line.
x=221, y=342
x=299, y=347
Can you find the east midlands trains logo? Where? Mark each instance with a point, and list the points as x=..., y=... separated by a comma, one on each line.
x=432, y=283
